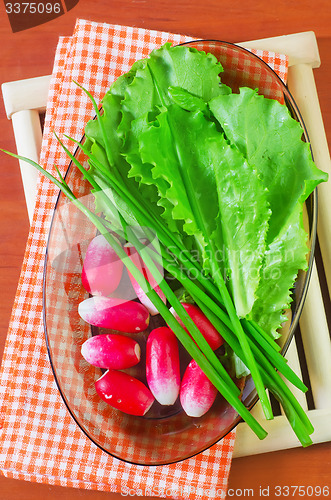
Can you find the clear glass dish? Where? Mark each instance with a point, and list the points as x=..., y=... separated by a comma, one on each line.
x=168, y=435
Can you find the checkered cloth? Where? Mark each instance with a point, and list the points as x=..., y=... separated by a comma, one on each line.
x=39, y=439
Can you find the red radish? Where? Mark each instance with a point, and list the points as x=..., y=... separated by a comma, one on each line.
x=138, y=262
x=162, y=365
x=109, y=312
x=124, y=392
x=214, y=339
x=111, y=351
x=197, y=393
x=102, y=268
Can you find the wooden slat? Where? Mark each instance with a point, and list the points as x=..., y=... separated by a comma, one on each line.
x=302, y=86
x=20, y=95
x=247, y=443
x=294, y=362
x=28, y=138
x=299, y=47
x=316, y=341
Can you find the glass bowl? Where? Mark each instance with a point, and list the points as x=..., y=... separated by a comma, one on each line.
x=168, y=435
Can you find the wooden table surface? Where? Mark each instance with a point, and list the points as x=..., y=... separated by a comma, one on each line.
x=30, y=53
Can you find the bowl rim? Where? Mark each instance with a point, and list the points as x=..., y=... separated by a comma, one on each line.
x=291, y=104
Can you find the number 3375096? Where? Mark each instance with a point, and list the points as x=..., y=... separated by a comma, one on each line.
x=33, y=8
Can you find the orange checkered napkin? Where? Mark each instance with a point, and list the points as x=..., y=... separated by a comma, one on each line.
x=39, y=439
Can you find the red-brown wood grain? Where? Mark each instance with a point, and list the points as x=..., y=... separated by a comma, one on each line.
x=30, y=53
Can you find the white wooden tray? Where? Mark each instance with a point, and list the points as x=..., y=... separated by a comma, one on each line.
x=26, y=99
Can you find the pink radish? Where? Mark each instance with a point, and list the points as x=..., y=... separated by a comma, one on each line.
x=102, y=268
x=111, y=351
x=109, y=312
x=162, y=365
x=197, y=393
x=138, y=262
x=124, y=392
x=214, y=339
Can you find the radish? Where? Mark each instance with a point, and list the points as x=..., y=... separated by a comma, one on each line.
x=197, y=393
x=138, y=262
x=214, y=339
x=124, y=392
x=111, y=351
x=102, y=268
x=109, y=312
x=162, y=365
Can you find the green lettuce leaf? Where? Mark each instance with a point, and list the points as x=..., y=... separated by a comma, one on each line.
x=111, y=119
x=285, y=255
x=193, y=71
x=265, y=133
x=244, y=216
x=166, y=68
x=188, y=68
x=214, y=190
x=141, y=91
